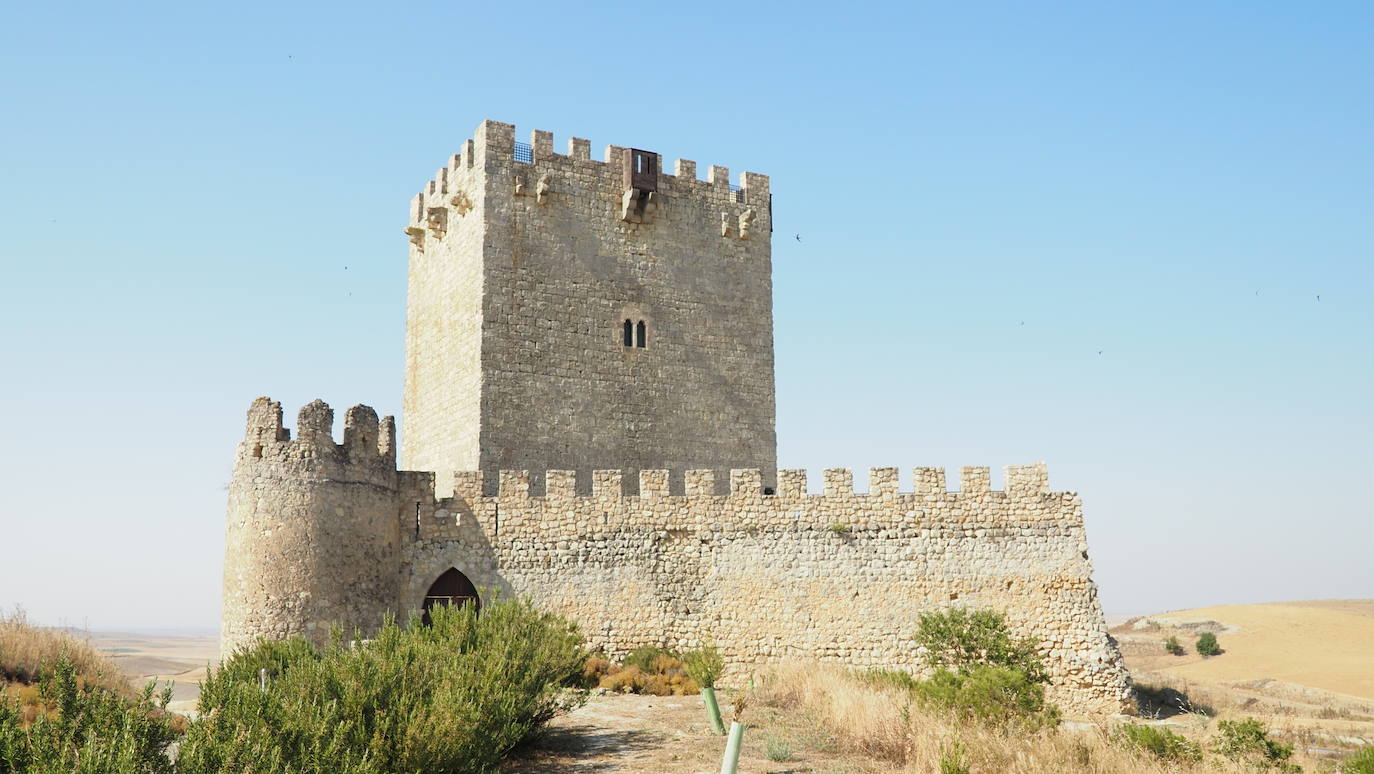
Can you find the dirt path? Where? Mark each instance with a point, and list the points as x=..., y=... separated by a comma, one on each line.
x=668, y=735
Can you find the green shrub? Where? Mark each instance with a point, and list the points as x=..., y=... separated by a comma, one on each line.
x=1172, y=646
x=94, y=730
x=28, y=654
x=451, y=697
x=777, y=749
x=1207, y=644
x=981, y=673
x=840, y=528
x=895, y=678
x=959, y=638
x=952, y=759
x=1159, y=742
x=997, y=695
x=1247, y=741
x=704, y=665
x=1361, y=762
x=644, y=657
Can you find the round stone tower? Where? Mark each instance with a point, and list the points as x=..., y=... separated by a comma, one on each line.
x=312, y=539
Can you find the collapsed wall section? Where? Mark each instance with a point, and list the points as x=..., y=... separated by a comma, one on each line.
x=841, y=576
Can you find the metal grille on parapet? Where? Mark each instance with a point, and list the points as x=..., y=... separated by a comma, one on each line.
x=524, y=153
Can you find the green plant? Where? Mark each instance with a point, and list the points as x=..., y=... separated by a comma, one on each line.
x=840, y=528
x=28, y=653
x=1172, y=646
x=454, y=696
x=996, y=695
x=895, y=678
x=959, y=638
x=704, y=665
x=1247, y=741
x=93, y=730
x=644, y=657
x=1361, y=762
x=777, y=749
x=1207, y=644
x=1159, y=742
x=952, y=759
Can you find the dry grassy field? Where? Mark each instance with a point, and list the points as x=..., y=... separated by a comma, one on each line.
x=1305, y=668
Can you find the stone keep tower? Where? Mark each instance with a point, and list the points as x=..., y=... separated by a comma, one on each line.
x=571, y=314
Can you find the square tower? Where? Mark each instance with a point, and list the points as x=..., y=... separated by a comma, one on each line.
x=571, y=314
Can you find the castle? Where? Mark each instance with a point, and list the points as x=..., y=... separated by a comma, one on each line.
x=589, y=408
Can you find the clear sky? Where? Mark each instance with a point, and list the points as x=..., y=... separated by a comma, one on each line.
x=1069, y=232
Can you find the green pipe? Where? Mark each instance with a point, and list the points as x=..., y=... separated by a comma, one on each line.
x=730, y=762
x=712, y=709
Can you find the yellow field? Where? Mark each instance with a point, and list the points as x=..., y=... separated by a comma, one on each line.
x=1327, y=645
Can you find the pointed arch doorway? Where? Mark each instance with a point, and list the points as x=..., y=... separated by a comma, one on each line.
x=452, y=588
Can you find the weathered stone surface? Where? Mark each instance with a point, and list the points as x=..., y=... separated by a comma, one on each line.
x=320, y=533
x=514, y=348
x=630, y=487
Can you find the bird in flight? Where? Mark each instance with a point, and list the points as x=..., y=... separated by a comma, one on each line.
x=1099, y=352
x=798, y=237
x=1319, y=296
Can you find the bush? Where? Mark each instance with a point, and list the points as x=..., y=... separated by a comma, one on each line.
x=644, y=657
x=777, y=749
x=957, y=639
x=454, y=696
x=997, y=695
x=1159, y=742
x=1207, y=644
x=1361, y=762
x=895, y=678
x=92, y=730
x=594, y=669
x=704, y=665
x=981, y=672
x=1172, y=646
x=666, y=678
x=1248, y=742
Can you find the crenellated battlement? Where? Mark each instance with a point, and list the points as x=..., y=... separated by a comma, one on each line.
x=365, y=438
x=495, y=149
x=611, y=312
x=1022, y=481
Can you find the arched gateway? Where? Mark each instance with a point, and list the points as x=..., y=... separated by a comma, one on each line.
x=452, y=588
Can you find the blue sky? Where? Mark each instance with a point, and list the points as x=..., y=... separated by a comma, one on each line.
x=202, y=204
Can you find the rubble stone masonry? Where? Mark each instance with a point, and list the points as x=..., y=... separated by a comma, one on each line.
x=322, y=534
x=592, y=341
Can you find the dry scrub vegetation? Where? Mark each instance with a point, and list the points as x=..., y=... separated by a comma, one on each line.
x=30, y=653
x=885, y=723
x=27, y=652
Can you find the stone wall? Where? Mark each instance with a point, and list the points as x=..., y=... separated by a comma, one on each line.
x=839, y=576
x=322, y=533
x=312, y=538
x=515, y=355
x=443, y=378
